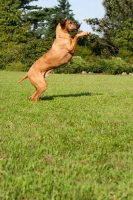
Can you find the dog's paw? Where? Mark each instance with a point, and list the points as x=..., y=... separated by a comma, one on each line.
x=83, y=34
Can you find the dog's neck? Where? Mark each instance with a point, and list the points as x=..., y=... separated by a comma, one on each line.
x=64, y=36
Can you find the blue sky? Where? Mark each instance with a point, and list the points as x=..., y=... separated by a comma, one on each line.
x=82, y=9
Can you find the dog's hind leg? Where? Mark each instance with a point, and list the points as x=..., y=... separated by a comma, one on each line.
x=47, y=73
x=40, y=85
x=32, y=96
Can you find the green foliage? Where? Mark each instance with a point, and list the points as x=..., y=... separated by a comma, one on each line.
x=117, y=25
x=27, y=32
x=107, y=66
x=38, y=22
x=16, y=66
x=34, y=50
x=12, y=27
x=74, y=144
x=125, y=55
x=24, y=29
x=36, y=18
x=76, y=65
x=117, y=66
x=99, y=66
x=83, y=52
x=112, y=66
x=11, y=55
x=24, y=53
x=100, y=47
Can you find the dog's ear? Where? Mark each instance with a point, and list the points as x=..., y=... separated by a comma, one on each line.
x=62, y=22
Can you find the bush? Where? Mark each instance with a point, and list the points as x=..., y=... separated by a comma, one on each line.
x=23, y=55
x=99, y=66
x=113, y=66
x=124, y=54
x=76, y=65
x=16, y=66
x=11, y=56
x=117, y=66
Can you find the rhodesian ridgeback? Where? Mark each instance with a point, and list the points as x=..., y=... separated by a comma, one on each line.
x=60, y=53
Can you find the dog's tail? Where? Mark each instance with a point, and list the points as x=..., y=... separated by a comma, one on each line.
x=24, y=77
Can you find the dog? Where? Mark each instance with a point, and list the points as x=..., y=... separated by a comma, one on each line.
x=60, y=53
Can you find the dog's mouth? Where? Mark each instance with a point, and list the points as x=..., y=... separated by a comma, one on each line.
x=73, y=30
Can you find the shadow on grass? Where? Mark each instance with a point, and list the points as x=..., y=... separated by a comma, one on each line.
x=68, y=95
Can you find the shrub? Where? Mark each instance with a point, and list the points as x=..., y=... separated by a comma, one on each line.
x=16, y=66
x=117, y=66
x=112, y=66
x=76, y=65
x=23, y=53
x=11, y=55
x=83, y=51
x=99, y=66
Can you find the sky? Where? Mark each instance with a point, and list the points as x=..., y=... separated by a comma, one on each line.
x=82, y=9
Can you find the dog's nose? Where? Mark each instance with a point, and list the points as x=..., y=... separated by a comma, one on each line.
x=79, y=26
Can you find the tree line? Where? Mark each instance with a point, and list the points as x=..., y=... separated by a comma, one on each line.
x=27, y=31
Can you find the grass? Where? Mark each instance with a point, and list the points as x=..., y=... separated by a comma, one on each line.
x=75, y=143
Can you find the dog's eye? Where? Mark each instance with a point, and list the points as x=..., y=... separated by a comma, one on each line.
x=70, y=22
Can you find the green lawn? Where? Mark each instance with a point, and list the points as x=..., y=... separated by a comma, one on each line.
x=75, y=143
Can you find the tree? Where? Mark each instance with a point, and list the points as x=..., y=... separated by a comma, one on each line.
x=12, y=27
x=20, y=26
x=116, y=28
x=20, y=22
x=35, y=16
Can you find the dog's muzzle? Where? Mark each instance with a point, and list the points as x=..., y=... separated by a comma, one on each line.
x=76, y=28
x=79, y=26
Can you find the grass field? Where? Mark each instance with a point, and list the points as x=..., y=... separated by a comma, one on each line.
x=75, y=143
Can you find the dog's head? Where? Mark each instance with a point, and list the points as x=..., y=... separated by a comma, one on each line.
x=69, y=25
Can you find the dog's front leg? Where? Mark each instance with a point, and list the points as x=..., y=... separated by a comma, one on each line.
x=72, y=47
